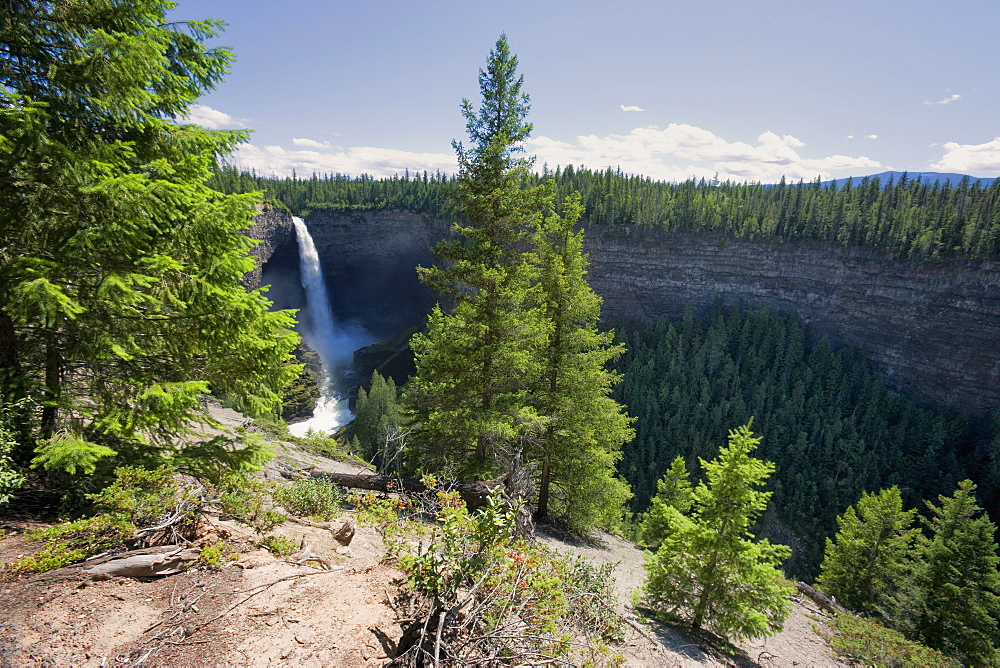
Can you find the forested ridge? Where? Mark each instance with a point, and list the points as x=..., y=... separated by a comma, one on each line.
x=906, y=217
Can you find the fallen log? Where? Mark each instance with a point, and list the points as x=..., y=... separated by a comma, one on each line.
x=821, y=599
x=474, y=494
x=167, y=560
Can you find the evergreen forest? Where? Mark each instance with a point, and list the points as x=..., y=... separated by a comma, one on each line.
x=829, y=423
x=905, y=217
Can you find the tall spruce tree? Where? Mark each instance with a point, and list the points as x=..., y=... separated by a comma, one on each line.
x=956, y=583
x=120, y=301
x=469, y=402
x=867, y=561
x=584, y=427
x=709, y=570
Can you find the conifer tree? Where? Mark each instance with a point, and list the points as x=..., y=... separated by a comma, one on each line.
x=956, y=582
x=376, y=417
x=469, y=400
x=120, y=300
x=868, y=559
x=673, y=497
x=584, y=427
x=708, y=570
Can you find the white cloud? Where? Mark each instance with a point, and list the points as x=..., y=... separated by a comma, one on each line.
x=970, y=158
x=850, y=136
x=680, y=151
x=353, y=161
x=947, y=100
x=301, y=141
x=871, y=136
x=213, y=119
x=673, y=153
x=631, y=107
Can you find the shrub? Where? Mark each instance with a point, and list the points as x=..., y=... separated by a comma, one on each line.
x=126, y=512
x=245, y=500
x=311, y=497
x=478, y=594
x=869, y=642
x=279, y=546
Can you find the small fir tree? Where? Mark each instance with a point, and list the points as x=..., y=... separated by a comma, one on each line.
x=708, y=570
x=868, y=559
x=956, y=581
x=674, y=494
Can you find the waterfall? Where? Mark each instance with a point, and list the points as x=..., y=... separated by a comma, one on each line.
x=334, y=348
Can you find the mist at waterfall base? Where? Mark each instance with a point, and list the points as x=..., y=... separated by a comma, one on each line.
x=334, y=345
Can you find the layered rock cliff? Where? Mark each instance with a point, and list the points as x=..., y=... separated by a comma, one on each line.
x=932, y=328
x=273, y=229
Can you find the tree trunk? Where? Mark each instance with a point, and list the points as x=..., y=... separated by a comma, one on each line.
x=53, y=381
x=542, y=511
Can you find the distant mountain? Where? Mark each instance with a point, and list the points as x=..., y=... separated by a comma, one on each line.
x=926, y=177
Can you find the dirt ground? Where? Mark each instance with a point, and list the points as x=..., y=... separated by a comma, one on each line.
x=263, y=611
x=651, y=644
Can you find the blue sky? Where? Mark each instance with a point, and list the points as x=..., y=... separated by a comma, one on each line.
x=744, y=89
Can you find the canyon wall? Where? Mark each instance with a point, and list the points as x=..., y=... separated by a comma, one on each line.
x=932, y=328
x=273, y=229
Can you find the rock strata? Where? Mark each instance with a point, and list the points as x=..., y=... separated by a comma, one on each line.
x=933, y=328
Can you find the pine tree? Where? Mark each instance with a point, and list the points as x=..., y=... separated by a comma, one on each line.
x=468, y=401
x=584, y=427
x=673, y=498
x=956, y=582
x=120, y=295
x=708, y=569
x=376, y=418
x=868, y=559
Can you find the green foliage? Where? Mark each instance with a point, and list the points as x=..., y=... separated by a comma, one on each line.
x=68, y=452
x=490, y=596
x=468, y=402
x=514, y=367
x=279, y=546
x=902, y=216
x=709, y=570
x=867, y=561
x=120, y=295
x=11, y=478
x=956, y=582
x=832, y=426
x=674, y=492
x=316, y=498
x=585, y=428
x=213, y=459
x=246, y=500
x=216, y=556
x=866, y=640
x=138, y=498
x=377, y=421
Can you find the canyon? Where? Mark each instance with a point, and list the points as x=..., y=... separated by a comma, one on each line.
x=931, y=327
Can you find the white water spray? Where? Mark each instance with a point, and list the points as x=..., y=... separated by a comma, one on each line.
x=333, y=348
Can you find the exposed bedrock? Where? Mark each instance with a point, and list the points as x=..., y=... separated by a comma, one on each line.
x=933, y=328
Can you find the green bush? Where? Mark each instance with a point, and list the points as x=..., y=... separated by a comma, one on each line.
x=867, y=641
x=245, y=500
x=316, y=498
x=279, y=546
x=138, y=498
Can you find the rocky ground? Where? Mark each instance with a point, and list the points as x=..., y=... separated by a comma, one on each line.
x=260, y=610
